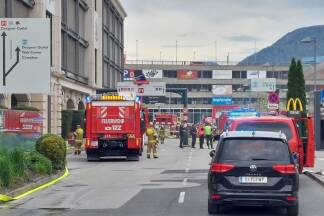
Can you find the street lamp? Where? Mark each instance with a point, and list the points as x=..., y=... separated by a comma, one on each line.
x=314, y=41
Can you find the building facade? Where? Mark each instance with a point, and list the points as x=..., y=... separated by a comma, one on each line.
x=87, y=46
x=206, y=80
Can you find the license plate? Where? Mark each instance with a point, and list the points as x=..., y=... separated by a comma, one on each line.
x=253, y=180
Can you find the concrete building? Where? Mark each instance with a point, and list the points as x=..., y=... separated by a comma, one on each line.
x=87, y=43
x=204, y=82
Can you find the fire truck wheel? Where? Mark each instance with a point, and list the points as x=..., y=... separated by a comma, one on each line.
x=133, y=158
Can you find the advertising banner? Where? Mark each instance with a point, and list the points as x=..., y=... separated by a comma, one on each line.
x=256, y=74
x=25, y=55
x=222, y=90
x=187, y=74
x=222, y=101
x=153, y=74
x=263, y=85
x=129, y=75
x=222, y=74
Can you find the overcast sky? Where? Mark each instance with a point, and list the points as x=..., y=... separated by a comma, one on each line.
x=236, y=25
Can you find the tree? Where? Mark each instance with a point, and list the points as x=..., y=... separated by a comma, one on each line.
x=296, y=82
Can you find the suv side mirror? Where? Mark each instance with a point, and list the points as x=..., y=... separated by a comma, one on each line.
x=212, y=153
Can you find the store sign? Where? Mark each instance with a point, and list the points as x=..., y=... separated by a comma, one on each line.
x=129, y=75
x=222, y=74
x=152, y=89
x=154, y=99
x=222, y=90
x=25, y=55
x=263, y=85
x=153, y=74
x=221, y=101
x=273, y=106
x=256, y=74
x=294, y=108
x=187, y=74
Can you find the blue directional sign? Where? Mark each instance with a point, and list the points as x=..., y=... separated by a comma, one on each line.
x=221, y=101
x=322, y=96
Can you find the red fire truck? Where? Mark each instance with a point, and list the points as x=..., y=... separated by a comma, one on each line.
x=114, y=128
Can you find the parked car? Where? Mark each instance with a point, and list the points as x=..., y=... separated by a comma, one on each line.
x=253, y=168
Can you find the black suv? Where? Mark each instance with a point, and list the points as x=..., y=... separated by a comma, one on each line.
x=253, y=168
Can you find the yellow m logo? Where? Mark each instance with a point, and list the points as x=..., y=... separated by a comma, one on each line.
x=294, y=103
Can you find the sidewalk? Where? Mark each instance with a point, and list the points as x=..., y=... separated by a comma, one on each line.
x=317, y=173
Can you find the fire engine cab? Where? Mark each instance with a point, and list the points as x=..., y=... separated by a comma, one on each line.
x=114, y=128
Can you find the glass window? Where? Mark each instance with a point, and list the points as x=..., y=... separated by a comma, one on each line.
x=82, y=61
x=71, y=15
x=2, y=8
x=82, y=22
x=243, y=74
x=247, y=149
x=71, y=57
x=207, y=74
x=266, y=126
x=19, y=10
x=236, y=74
x=284, y=75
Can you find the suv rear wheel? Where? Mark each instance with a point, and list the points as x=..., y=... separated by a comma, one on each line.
x=292, y=210
x=213, y=209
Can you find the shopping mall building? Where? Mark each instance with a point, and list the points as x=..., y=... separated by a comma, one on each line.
x=210, y=85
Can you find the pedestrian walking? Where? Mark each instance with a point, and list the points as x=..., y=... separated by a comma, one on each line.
x=208, y=135
x=162, y=134
x=201, y=134
x=78, y=134
x=193, y=135
x=152, y=141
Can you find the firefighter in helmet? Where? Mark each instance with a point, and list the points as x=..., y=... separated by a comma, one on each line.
x=78, y=139
x=152, y=141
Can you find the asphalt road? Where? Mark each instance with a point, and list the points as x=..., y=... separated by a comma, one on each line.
x=174, y=184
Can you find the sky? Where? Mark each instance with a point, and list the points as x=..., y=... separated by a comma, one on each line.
x=209, y=30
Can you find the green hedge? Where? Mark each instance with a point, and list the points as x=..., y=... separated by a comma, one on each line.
x=17, y=165
x=70, y=119
x=54, y=148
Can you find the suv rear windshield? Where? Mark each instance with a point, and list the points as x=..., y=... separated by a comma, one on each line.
x=266, y=126
x=247, y=149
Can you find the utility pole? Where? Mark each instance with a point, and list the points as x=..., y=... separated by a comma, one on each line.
x=215, y=50
x=136, y=51
x=176, y=51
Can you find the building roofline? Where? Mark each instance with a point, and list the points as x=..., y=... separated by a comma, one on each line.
x=120, y=8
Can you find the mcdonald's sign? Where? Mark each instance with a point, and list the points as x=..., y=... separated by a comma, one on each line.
x=294, y=112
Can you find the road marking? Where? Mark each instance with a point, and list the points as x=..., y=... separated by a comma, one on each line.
x=187, y=170
x=181, y=197
x=184, y=182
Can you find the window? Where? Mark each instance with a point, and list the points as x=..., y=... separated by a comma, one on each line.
x=236, y=74
x=207, y=74
x=170, y=73
x=96, y=66
x=71, y=14
x=2, y=8
x=266, y=126
x=250, y=149
x=82, y=22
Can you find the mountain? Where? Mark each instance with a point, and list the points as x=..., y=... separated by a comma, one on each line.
x=289, y=46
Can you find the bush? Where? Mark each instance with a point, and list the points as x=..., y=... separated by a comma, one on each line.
x=53, y=147
x=6, y=172
x=17, y=160
x=38, y=163
x=67, y=116
x=25, y=107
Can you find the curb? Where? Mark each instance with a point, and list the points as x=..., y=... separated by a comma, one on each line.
x=316, y=177
x=6, y=198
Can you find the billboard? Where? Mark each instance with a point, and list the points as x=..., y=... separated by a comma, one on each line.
x=222, y=74
x=153, y=73
x=222, y=101
x=263, y=85
x=152, y=89
x=187, y=74
x=256, y=74
x=129, y=74
x=25, y=55
x=222, y=89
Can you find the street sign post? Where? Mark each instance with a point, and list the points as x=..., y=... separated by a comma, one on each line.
x=25, y=55
x=151, y=89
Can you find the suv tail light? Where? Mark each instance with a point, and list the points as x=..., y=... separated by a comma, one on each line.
x=285, y=169
x=221, y=167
